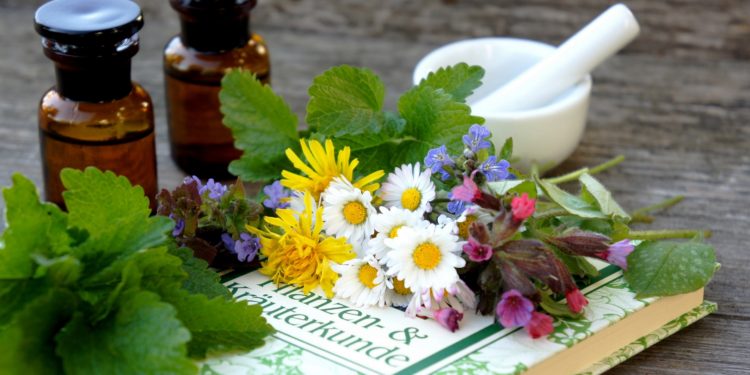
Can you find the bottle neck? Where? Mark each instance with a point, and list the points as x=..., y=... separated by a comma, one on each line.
x=94, y=81
x=215, y=34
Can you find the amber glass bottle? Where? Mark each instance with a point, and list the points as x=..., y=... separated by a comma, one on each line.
x=94, y=115
x=215, y=37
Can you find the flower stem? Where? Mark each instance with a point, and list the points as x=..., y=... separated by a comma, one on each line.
x=572, y=176
x=658, y=206
x=667, y=233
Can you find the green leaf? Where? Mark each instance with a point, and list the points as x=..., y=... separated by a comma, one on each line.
x=602, y=197
x=506, y=152
x=27, y=345
x=577, y=265
x=201, y=279
x=262, y=124
x=220, y=325
x=114, y=213
x=567, y=201
x=555, y=308
x=346, y=100
x=15, y=294
x=514, y=187
x=434, y=118
x=143, y=336
x=459, y=80
x=667, y=268
x=32, y=228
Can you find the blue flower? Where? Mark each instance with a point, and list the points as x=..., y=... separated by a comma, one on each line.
x=178, y=227
x=477, y=138
x=495, y=170
x=246, y=248
x=215, y=190
x=189, y=179
x=437, y=159
x=276, y=192
x=456, y=207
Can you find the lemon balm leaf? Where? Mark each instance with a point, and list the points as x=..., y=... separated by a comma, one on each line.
x=459, y=80
x=346, y=100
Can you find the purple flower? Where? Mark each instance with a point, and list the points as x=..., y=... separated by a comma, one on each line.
x=246, y=248
x=189, y=179
x=437, y=159
x=493, y=169
x=448, y=318
x=618, y=252
x=215, y=190
x=476, y=139
x=456, y=207
x=276, y=192
x=178, y=228
x=477, y=252
x=514, y=310
x=468, y=192
x=228, y=241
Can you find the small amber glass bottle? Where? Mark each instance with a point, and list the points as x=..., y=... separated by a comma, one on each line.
x=94, y=115
x=215, y=37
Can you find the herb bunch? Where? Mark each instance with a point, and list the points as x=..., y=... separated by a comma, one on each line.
x=105, y=289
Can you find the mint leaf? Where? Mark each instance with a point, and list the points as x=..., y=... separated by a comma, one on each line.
x=346, y=100
x=603, y=198
x=567, y=201
x=434, y=118
x=32, y=228
x=262, y=124
x=143, y=336
x=667, y=268
x=27, y=344
x=258, y=168
x=114, y=213
x=201, y=279
x=219, y=325
x=459, y=80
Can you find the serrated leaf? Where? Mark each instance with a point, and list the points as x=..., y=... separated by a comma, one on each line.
x=346, y=100
x=116, y=345
x=567, y=201
x=602, y=197
x=27, y=345
x=433, y=117
x=114, y=213
x=668, y=268
x=33, y=227
x=219, y=325
x=201, y=279
x=15, y=294
x=459, y=80
x=262, y=124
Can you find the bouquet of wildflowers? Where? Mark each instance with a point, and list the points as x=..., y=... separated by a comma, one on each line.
x=417, y=209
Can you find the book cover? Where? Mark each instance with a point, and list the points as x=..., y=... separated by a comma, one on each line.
x=315, y=333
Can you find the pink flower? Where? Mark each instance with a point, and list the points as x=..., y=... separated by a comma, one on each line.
x=514, y=310
x=618, y=252
x=522, y=207
x=468, y=192
x=476, y=251
x=576, y=300
x=448, y=318
x=539, y=325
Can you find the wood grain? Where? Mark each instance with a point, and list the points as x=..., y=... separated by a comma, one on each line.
x=676, y=102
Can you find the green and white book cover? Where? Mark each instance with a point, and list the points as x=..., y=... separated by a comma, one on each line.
x=316, y=334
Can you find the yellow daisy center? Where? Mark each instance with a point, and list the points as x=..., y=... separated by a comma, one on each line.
x=355, y=212
x=394, y=232
x=463, y=227
x=427, y=256
x=400, y=288
x=367, y=275
x=411, y=198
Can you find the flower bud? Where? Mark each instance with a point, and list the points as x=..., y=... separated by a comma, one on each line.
x=579, y=242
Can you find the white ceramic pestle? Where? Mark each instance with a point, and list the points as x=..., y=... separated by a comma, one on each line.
x=571, y=62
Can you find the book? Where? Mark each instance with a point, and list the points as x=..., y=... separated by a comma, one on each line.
x=316, y=334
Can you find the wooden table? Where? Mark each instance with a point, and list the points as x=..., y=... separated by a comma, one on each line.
x=676, y=103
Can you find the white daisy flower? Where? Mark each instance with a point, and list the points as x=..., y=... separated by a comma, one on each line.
x=348, y=212
x=457, y=296
x=388, y=223
x=409, y=188
x=397, y=293
x=424, y=257
x=362, y=281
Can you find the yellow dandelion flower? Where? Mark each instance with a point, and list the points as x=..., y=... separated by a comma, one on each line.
x=300, y=255
x=323, y=166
